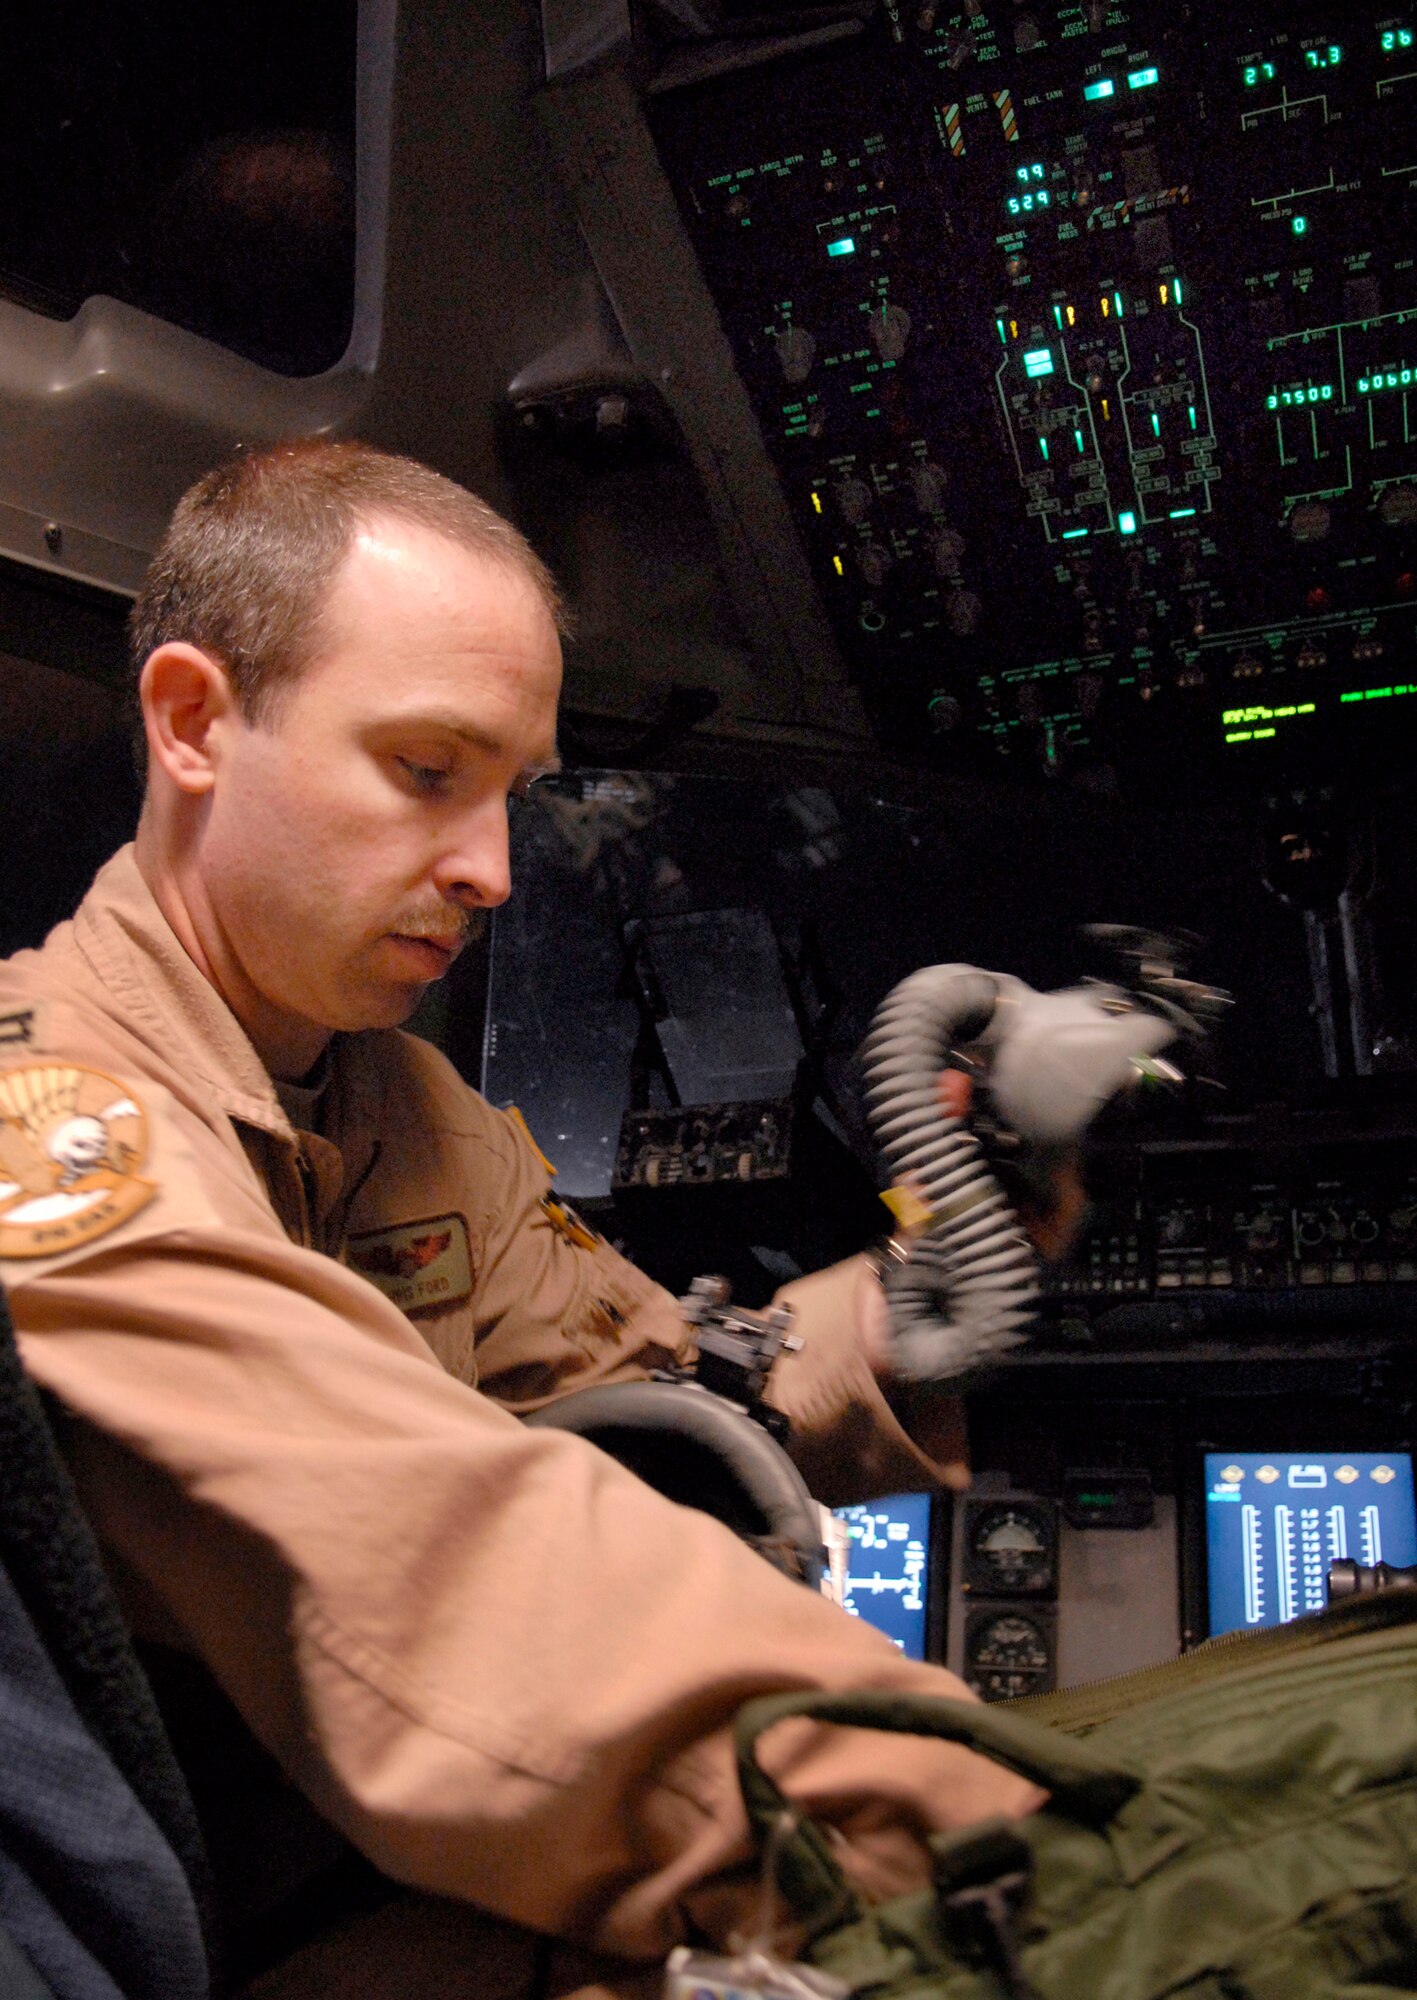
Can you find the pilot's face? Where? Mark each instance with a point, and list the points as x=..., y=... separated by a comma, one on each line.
x=356, y=838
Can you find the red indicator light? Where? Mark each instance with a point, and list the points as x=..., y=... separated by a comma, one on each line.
x=1317, y=598
x=1406, y=583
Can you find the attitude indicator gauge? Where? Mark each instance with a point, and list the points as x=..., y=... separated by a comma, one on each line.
x=1011, y=1548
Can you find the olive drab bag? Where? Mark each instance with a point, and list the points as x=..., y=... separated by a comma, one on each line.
x=1239, y=1824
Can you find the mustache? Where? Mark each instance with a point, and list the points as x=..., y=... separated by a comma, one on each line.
x=442, y=924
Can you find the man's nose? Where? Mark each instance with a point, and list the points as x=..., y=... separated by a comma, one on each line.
x=475, y=870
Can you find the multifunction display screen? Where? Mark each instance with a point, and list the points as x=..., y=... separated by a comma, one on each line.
x=1276, y=1520
x=889, y=1564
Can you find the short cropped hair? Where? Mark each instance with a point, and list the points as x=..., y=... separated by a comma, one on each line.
x=246, y=565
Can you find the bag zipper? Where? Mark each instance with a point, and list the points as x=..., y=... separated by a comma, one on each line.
x=1081, y=1708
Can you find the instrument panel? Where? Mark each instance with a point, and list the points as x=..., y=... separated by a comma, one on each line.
x=1083, y=337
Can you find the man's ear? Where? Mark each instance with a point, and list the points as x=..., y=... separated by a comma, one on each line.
x=184, y=692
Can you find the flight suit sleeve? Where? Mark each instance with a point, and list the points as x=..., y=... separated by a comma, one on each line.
x=500, y=1663
x=561, y=1310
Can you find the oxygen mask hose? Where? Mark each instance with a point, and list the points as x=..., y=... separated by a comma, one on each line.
x=964, y=1289
x=963, y=1280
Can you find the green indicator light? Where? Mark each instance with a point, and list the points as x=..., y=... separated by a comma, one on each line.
x=1238, y=736
x=1117, y=304
x=1058, y=315
x=1043, y=446
x=1305, y=708
x=1104, y=87
x=1259, y=733
x=1078, y=437
x=1127, y=523
x=1176, y=288
x=1300, y=225
x=1142, y=79
x=1038, y=361
x=1180, y=513
x=1191, y=413
x=1155, y=424
x=1072, y=534
x=1350, y=697
x=1003, y=336
x=844, y=246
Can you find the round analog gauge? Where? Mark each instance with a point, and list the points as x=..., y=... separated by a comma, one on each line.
x=1012, y=1548
x=1007, y=1656
x=1010, y=1644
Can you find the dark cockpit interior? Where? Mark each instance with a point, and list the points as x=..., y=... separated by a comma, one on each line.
x=977, y=440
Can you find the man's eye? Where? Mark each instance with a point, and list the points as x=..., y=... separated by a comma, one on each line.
x=427, y=778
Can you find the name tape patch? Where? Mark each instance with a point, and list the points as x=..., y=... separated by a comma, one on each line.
x=416, y=1265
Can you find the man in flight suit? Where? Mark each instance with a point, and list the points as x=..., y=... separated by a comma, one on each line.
x=293, y=1277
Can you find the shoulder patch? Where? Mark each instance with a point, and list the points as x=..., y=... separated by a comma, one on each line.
x=417, y=1265
x=71, y=1143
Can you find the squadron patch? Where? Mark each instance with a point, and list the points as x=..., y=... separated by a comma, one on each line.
x=71, y=1142
x=417, y=1265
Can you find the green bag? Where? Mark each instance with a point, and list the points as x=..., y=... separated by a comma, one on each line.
x=1239, y=1824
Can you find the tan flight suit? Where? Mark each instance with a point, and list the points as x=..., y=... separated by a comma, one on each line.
x=498, y=1662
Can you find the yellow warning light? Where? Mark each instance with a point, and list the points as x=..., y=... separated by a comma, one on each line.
x=1165, y=293
x=1013, y=329
x=817, y=502
x=1072, y=315
x=1106, y=307
x=838, y=566
x=1106, y=411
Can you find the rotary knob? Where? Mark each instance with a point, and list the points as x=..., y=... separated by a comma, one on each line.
x=853, y=496
x=796, y=350
x=927, y=483
x=1398, y=506
x=874, y=562
x=1310, y=521
x=947, y=547
x=890, y=331
x=962, y=613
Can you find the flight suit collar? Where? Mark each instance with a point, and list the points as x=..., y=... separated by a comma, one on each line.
x=141, y=963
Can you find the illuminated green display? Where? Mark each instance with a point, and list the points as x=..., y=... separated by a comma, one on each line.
x=1261, y=72
x=1104, y=87
x=1396, y=38
x=1258, y=723
x=1379, y=694
x=1325, y=58
x=1386, y=378
x=844, y=246
x=1294, y=397
x=1142, y=79
x=1024, y=204
x=1038, y=361
x=1034, y=172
